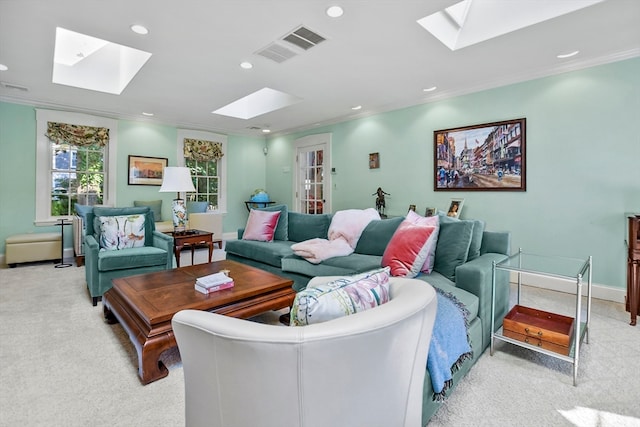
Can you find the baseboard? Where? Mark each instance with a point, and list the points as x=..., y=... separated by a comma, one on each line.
x=603, y=292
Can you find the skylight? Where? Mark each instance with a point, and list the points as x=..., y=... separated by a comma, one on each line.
x=90, y=63
x=473, y=21
x=261, y=102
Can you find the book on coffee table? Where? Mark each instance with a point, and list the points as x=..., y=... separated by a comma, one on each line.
x=213, y=289
x=213, y=282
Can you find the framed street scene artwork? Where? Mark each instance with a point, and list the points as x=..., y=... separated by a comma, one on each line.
x=146, y=170
x=485, y=157
x=455, y=207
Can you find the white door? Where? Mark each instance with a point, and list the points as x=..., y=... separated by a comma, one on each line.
x=313, y=179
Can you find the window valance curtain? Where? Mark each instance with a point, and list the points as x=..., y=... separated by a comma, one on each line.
x=202, y=151
x=80, y=136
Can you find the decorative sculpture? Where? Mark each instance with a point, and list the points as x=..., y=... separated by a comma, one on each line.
x=380, y=203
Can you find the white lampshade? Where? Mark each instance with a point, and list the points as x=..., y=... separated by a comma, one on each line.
x=176, y=179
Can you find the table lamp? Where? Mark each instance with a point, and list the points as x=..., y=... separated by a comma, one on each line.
x=177, y=179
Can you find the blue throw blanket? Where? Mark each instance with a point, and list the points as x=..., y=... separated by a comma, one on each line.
x=449, y=343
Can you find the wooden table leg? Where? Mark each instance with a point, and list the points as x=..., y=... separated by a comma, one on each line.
x=149, y=348
x=634, y=291
x=210, y=244
x=177, y=249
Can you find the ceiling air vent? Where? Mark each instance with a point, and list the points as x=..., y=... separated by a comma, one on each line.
x=298, y=41
x=276, y=52
x=304, y=38
x=14, y=86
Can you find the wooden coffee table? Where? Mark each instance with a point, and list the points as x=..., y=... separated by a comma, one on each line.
x=145, y=304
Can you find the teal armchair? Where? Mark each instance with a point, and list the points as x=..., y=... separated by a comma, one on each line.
x=110, y=228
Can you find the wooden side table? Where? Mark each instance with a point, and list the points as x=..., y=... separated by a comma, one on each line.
x=191, y=238
x=633, y=267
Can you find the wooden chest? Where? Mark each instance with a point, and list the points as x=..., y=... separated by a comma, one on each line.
x=547, y=330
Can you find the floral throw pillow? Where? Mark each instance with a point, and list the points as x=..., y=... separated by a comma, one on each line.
x=341, y=297
x=121, y=232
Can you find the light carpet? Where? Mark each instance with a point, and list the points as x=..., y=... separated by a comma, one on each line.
x=62, y=365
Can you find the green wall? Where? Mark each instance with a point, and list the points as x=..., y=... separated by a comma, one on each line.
x=18, y=163
x=143, y=139
x=583, y=152
x=583, y=148
x=247, y=171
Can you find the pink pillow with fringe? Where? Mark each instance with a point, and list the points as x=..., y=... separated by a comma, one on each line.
x=261, y=225
x=427, y=267
x=408, y=248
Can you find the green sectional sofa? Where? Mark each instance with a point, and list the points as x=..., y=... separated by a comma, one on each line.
x=464, y=255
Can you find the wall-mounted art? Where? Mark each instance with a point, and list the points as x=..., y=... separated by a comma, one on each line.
x=485, y=157
x=374, y=160
x=146, y=170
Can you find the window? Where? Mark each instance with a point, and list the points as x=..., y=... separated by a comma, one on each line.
x=77, y=176
x=209, y=171
x=205, y=179
x=67, y=174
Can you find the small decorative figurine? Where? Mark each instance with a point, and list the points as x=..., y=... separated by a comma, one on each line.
x=380, y=203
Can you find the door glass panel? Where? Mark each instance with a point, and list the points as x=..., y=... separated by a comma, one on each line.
x=311, y=186
x=310, y=177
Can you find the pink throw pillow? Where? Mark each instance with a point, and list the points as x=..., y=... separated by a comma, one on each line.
x=408, y=249
x=427, y=267
x=261, y=225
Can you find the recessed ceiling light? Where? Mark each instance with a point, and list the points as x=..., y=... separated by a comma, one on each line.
x=266, y=130
x=357, y=107
x=139, y=29
x=246, y=65
x=430, y=89
x=3, y=67
x=335, y=11
x=147, y=114
x=568, y=55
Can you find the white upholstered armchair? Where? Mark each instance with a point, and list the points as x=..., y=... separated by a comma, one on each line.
x=366, y=369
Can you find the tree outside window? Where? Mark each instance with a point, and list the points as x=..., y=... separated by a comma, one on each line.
x=77, y=176
x=205, y=179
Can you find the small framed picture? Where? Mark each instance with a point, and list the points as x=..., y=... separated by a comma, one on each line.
x=455, y=207
x=145, y=170
x=431, y=212
x=374, y=160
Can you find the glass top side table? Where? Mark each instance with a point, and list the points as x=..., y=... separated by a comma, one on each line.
x=562, y=268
